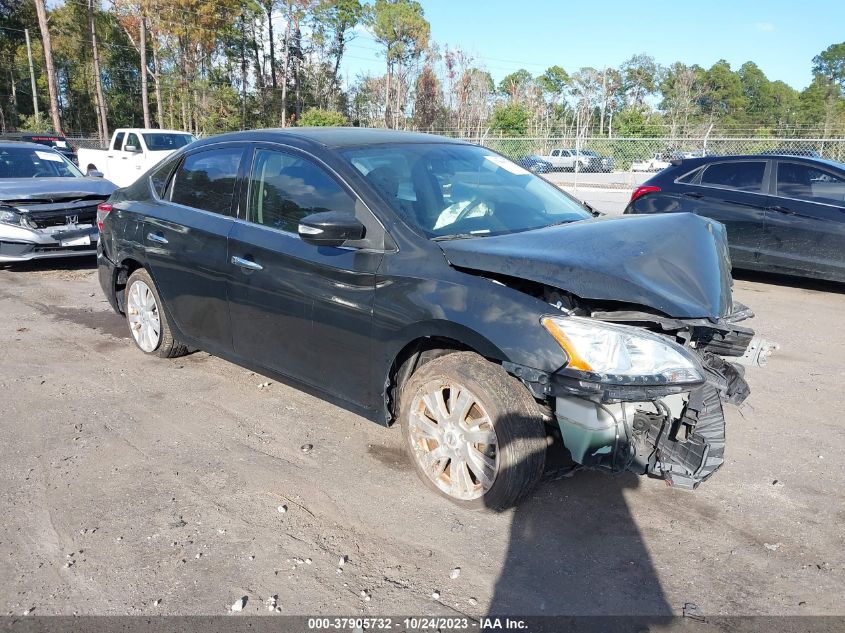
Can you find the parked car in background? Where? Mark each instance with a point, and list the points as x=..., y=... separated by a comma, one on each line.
x=658, y=161
x=47, y=207
x=783, y=214
x=494, y=319
x=598, y=163
x=563, y=159
x=535, y=163
x=56, y=141
x=131, y=152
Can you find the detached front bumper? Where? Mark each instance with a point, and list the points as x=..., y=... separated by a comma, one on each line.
x=20, y=244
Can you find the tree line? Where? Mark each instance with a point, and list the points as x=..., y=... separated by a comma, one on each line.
x=210, y=66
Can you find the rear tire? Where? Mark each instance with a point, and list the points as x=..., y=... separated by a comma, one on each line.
x=473, y=432
x=149, y=325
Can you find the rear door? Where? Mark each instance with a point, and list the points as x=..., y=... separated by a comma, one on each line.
x=805, y=221
x=302, y=310
x=733, y=192
x=185, y=241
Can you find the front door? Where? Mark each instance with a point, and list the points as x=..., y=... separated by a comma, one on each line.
x=805, y=222
x=133, y=159
x=301, y=310
x=186, y=238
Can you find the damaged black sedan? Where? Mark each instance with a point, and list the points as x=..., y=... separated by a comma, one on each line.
x=433, y=283
x=47, y=207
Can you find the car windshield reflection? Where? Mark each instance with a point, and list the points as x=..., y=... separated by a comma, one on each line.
x=450, y=190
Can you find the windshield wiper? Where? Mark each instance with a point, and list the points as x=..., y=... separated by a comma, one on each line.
x=457, y=236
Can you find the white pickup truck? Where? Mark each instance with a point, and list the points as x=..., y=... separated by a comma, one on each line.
x=131, y=152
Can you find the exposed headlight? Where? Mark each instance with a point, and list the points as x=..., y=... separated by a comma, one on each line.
x=622, y=354
x=7, y=216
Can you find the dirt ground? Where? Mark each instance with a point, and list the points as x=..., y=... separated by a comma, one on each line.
x=131, y=485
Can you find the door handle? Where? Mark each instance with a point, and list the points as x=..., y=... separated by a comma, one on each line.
x=124, y=157
x=697, y=196
x=247, y=264
x=783, y=210
x=157, y=238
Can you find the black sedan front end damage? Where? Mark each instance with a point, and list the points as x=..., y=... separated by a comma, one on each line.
x=653, y=339
x=651, y=425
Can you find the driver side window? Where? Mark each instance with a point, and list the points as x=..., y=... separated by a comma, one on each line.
x=284, y=188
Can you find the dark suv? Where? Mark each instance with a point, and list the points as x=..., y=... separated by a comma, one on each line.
x=783, y=214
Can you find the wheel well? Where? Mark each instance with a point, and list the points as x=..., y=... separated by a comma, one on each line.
x=127, y=267
x=414, y=355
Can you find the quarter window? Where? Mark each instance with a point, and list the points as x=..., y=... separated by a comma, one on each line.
x=743, y=175
x=160, y=176
x=808, y=183
x=285, y=188
x=206, y=180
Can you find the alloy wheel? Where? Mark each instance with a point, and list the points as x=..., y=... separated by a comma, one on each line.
x=453, y=440
x=143, y=316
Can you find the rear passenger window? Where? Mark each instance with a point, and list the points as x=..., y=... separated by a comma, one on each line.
x=118, y=141
x=206, y=180
x=284, y=188
x=808, y=183
x=743, y=175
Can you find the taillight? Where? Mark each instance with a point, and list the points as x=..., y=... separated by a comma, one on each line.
x=103, y=209
x=639, y=192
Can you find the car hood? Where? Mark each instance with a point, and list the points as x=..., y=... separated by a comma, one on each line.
x=675, y=263
x=53, y=189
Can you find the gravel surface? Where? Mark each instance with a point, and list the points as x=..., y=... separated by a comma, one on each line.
x=133, y=485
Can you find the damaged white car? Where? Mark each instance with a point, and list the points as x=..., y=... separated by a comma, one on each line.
x=47, y=207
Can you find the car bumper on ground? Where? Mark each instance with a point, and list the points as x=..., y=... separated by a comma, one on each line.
x=20, y=244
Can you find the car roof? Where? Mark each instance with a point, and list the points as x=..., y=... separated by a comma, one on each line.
x=15, y=135
x=334, y=137
x=716, y=158
x=38, y=146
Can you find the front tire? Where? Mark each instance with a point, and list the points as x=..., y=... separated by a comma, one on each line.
x=474, y=433
x=147, y=320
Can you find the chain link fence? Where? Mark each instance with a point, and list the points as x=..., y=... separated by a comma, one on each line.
x=631, y=159
x=85, y=142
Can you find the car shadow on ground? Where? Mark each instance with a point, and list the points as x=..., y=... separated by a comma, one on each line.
x=803, y=283
x=55, y=263
x=575, y=549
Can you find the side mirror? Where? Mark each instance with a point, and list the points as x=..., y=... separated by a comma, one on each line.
x=330, y=228
x=93, y=173
x=132, y=148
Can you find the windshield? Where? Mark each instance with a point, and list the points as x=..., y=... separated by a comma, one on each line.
x=28, y=162
x=160, y=142
x=447, y=190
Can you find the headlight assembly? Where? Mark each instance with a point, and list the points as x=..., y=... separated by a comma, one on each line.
x=8, y=216
x=621, y=354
